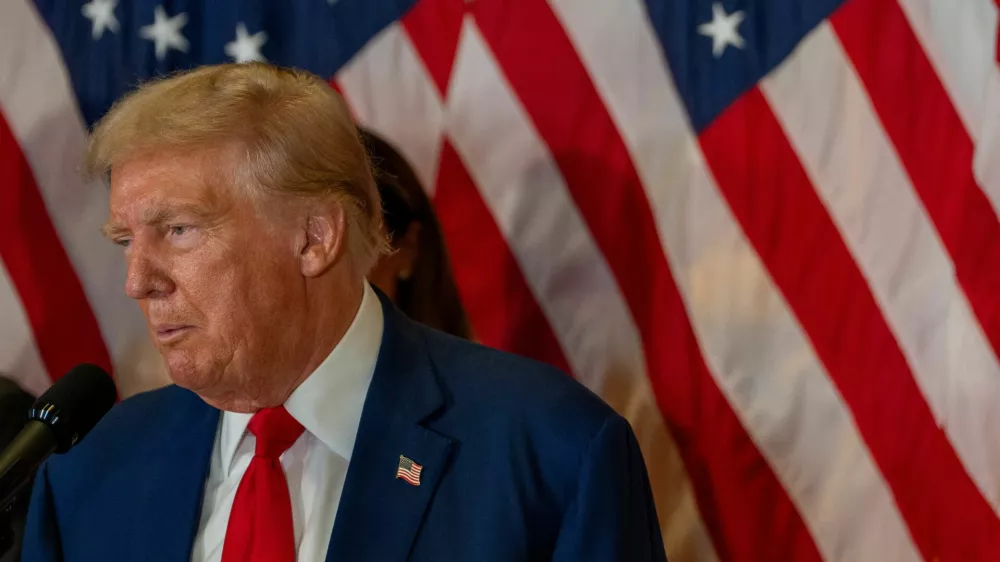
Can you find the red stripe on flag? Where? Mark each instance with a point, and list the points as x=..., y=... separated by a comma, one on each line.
x=548, y=77
x=65, y=329
x=783, y=217
x=501, y=308
x=434, y=27
x=932, y=144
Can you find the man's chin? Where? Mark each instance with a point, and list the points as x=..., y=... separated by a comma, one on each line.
x=205, y=383
x=187, y=374
x=192, y=381
x=208, y=392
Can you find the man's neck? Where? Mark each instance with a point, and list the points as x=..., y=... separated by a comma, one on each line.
x=327, y=328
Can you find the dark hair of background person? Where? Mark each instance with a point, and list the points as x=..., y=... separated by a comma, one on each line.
x=14, y=406
x=417, y=277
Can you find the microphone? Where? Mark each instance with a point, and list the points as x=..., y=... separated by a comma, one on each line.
x=59, y=419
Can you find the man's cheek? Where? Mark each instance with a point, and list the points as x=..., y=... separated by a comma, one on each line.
x=201, y=266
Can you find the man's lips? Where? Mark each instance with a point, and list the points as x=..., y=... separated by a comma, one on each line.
x=169, y=332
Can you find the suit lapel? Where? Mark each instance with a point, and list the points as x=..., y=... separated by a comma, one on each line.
x=171, y=487
x=379, y=514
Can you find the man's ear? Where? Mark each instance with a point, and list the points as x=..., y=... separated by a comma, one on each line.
x=325, y=233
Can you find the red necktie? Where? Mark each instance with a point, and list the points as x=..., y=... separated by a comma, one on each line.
x=260, y=525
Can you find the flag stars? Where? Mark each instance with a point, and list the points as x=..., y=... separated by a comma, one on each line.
x=165, y=32
x=246, y=47
x=101, y=14
x=723, y=29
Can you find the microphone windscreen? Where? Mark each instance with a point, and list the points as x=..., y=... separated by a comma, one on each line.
x=74, y=404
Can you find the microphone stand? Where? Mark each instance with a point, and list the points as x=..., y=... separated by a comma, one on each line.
x=6, y=529
x=11, y=518
x=14, y=405
x=10, y=507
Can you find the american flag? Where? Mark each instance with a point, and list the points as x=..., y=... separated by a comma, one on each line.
x=409, y=470
x=763, y=230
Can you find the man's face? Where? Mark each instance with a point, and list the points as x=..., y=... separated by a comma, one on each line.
x=218, y=283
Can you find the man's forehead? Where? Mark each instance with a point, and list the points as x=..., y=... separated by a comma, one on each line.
x=158, y=210
x=148, y=188
x=153, y=207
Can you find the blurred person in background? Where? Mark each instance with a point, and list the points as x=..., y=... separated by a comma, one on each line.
x=417, y=275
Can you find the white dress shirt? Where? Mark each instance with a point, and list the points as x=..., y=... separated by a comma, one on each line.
x=328, y=404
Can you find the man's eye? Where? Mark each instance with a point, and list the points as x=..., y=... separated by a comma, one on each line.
x=179, y=230
x=123, y=242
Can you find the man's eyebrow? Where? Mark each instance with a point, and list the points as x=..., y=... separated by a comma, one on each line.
x=160, y=215
x=155, y=216
x=112, y=230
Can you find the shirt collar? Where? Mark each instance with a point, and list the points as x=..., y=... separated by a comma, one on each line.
x=329, y=402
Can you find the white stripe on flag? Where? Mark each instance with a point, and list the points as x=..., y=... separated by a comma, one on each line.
x=395, y=98
x=522, y=186
x=19, y=358
x=754, y=346
x=829, y=120
x=40, y=107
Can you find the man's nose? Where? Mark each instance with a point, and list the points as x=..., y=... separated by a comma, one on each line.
x=146, y=278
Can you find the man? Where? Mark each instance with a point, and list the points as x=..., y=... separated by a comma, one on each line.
x=309, y=419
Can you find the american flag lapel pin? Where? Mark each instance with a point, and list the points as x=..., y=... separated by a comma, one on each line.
x=409, y=470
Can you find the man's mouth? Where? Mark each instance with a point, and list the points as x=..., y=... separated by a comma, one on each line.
x=169, y=332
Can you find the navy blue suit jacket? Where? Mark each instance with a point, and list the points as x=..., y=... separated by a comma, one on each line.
x=520, y=463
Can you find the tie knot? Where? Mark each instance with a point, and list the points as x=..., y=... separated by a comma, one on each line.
x=276, y=430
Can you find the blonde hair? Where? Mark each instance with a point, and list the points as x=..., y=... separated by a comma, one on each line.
x=295, y=133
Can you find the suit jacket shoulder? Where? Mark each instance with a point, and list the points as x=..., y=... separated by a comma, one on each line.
x=537, y=457
x=137, y=428
x=503, y=388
